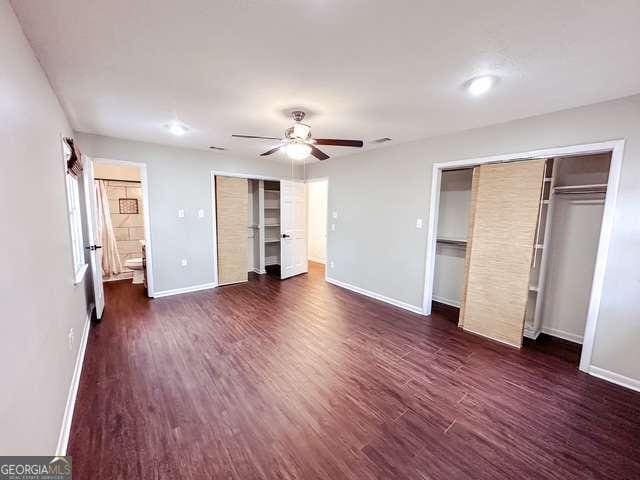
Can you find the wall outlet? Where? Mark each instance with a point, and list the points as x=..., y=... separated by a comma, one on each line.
x=181, y=213
x=331, y=264
x=201, y=213
x=419, y=223
x=333, y=227
x=183, y=262
x=71, y=337
x=334, y=214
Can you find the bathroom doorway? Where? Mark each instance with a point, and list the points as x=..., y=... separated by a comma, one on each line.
x=120, y=221
x=317, y=198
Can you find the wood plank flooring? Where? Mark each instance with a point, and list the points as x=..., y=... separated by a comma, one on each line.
x=302, y=379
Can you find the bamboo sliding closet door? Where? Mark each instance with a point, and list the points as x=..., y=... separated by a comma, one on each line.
x=506, y=199
x=232, y=213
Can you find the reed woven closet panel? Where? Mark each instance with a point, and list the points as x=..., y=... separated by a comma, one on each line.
x=505, y=205
x=232, y=204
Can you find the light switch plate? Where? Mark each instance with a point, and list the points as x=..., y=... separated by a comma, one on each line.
x=181, y=213
x=335, y=214
x=183, y=262
x=201, y=213
x=333, y=227
x=419, y=223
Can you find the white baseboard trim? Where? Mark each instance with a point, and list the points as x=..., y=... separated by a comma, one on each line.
x=616, y=378
x=377, y=296
x=178, y=291
x=554, y=332
x=317, y=260
x=446, y=301
x=532, y=334
x=65, y=429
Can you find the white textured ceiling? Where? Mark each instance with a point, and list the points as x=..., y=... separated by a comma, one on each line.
x=363, y=69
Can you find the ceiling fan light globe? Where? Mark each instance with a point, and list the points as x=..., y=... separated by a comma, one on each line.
x=301, y=131
x=298, y=151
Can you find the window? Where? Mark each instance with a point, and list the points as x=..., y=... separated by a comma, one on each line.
x=75, y=218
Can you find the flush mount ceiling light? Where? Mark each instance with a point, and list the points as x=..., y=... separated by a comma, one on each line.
x=298, y=151
x=178, y=129
x=480, y=85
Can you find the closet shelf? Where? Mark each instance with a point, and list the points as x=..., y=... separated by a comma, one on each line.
x=272, y=208
x=272, y=191
x=593, y=188
x=533, y=288
x=271, y=224
x=271, y=240
x=452, y=241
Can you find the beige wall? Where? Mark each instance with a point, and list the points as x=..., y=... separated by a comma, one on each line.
x=40, y=303
x=116, y=172
x=380, y=193
x=180, y=178
x=317, y=220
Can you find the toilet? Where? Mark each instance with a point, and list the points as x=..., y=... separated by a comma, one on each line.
x=137, y=266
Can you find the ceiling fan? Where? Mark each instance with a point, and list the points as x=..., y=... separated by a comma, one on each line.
x=298, y=143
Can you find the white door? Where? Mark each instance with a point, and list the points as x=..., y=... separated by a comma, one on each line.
x=93, y=244
x=293, y=244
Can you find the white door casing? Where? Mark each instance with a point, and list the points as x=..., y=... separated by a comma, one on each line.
x=92, y=241
x=293, y=244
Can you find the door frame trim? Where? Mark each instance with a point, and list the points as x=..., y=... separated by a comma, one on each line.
x=615, y=147
x=147, y=220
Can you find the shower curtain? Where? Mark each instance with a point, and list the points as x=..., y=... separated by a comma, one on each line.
x=110, y=258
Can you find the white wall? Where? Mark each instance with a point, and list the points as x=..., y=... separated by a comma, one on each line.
x=379, y=194
x=180, y=178
x=40, y=303
x=317, y=220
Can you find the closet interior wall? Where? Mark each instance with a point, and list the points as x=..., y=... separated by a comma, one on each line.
x=254, y=232
x=453, y=225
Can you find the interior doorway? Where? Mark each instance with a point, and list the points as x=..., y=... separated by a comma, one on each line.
x=317, y=199
x=118, y=225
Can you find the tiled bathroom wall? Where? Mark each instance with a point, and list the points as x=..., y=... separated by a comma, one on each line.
x=128, y=227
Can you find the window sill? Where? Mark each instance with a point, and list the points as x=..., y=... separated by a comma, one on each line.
x=80, y=274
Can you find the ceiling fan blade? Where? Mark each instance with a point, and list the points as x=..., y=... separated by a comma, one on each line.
x=338, y=142
x=273, y=150
x=319, y=154
x=255, y=136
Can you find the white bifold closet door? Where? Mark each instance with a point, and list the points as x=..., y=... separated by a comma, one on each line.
x=505, y=203
x=232, y=215
x=293, y=244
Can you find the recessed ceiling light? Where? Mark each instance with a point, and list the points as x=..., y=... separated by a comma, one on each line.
x=481, y=85
x=177, y=128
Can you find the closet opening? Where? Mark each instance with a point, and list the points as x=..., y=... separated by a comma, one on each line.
x=259, y=227
x=517, y=246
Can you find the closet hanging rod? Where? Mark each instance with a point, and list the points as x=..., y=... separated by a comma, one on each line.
x=580, y=192
x=116, y=180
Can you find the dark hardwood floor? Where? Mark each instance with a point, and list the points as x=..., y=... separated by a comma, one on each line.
x=302, y=379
